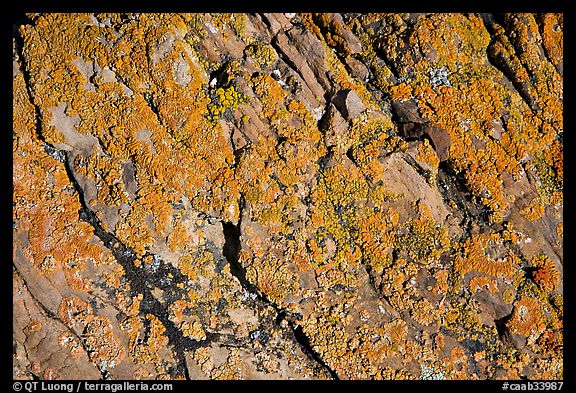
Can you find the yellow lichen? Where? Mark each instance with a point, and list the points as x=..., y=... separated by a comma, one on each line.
x=262, y=54
x=425, y=239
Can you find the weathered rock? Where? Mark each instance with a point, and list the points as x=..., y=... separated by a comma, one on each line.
x=353, y=44
x=358, y=69
x=440, y=141
x=400, y=177
x=349, y=104
x=336, y=126
x=288, y=196
x=407, y=111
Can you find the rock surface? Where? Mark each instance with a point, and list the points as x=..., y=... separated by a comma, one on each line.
x=288, y=196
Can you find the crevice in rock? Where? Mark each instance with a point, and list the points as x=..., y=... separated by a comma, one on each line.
x=149, y=99
x=323, y=161
x=501, y=325
x=304, y=342
x=231, y=251
x=394, y=69
x=140, y=282
x=453, y=188
x=323, y=122
x=350, y=155
x=530, y=272
x=489, y=20
x=377, y=291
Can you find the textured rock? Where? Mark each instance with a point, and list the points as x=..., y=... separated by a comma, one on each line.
x=349, y=104
x=288, y=196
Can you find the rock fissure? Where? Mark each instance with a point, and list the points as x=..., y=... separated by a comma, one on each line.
x=228, y=196
x=231, y=251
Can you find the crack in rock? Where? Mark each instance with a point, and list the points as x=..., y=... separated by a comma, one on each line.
x=231, y=251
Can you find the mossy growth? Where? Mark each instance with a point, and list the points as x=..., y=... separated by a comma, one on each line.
x=224, y=100
x=262, y=54
x=236, y=22
x=425, y=239
x=549, y=170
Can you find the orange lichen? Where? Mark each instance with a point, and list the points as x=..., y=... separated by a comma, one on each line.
x=147, y=350
x=401, y=91
x=560, y=229
x=70, y=342
x=378, y=241
x=534, y=211
x=427, y=155
x=176, y=311
x=457, y=364
x=129, y=305
x=75, y=312
x=103, y=346
x=34, y=326
x=441, y=286
x=510, y=234
x=527, y=317
x=46, y=205
x=113, y=278
x=178, y=236
x=179, y=124
x=272, y=96
x=440, y=38
x=321, y=236
x=552, y=35
x=480, y=282
x=546, y=274
x=395, y=284
x=332, y=31
x=272, y=277
x=473, y=257
x=423, y=312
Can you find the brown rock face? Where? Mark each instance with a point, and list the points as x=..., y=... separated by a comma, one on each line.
x=440, y=141
x=349, y=104
x=288, y=196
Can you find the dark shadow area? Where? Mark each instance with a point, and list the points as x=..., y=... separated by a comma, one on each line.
x=231, y=252
x=304, y=342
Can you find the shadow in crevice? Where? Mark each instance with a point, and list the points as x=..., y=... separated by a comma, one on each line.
x=231, y=251
x=501, y=326
x=304, y=342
